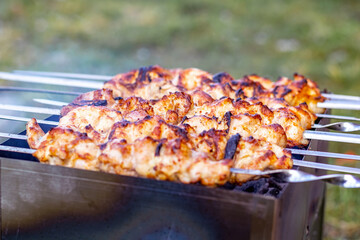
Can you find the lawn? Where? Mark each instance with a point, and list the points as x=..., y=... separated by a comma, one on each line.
x=319, y=39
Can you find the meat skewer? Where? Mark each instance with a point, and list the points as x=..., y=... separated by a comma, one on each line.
x=346, y=181
x=96, y=85
x=60, y=103
x=293, y=151
x=172, y=158
x=108, y=77
x=338, y=126
x=308, y=134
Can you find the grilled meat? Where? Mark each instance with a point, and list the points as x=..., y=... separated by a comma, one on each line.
x=181, y=124
x=259, y=155
x=164, y=159
x=175, y=106
x=153, y=82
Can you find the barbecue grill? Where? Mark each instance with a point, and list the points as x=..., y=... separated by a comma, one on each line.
x=42, y=201
x=48, y=202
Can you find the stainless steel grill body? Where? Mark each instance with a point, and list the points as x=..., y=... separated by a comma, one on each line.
x=48, y=202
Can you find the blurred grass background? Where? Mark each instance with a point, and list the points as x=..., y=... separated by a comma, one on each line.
x=319, y=39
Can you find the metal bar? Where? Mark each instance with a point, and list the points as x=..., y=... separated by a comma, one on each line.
x=340, y=97
x=13, y=136
x=22, y=119
x=17, y=149
x=39, y=90
x=338, y=117
x=339, y=126
x=327, y=167
x=51, y=81
x=333, y=137
x=50, y=102
x=324, y=154
x=339, y=105
x=65, y=75
x=30, y=109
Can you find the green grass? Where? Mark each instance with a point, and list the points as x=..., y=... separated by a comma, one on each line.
x=319, y=39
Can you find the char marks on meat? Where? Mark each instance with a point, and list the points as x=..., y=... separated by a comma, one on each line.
x=183, y=125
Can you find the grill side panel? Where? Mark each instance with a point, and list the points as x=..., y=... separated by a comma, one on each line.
x=304, y=203
x=46, y=202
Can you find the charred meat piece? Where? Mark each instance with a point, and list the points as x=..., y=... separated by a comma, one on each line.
x=258, y=155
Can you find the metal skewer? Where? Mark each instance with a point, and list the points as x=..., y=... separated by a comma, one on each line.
x=340, y=97
x=286, y=175
x=299, y=163
x=50, y=102
x=108, y=77
x=13, y=136
x=332, y=137
x=30, y=109
x=324, y=154
x=51, y=81
x=65, y=75
x=98, y=85
x=22, y=119
x=340, y=126
x=296, y=176
x=339, y=104
x=325, y=166
x=19, y=89
x=16, y=149
x=59, y=103
x=308, y=134
x=348, y=118
x=293, y=151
